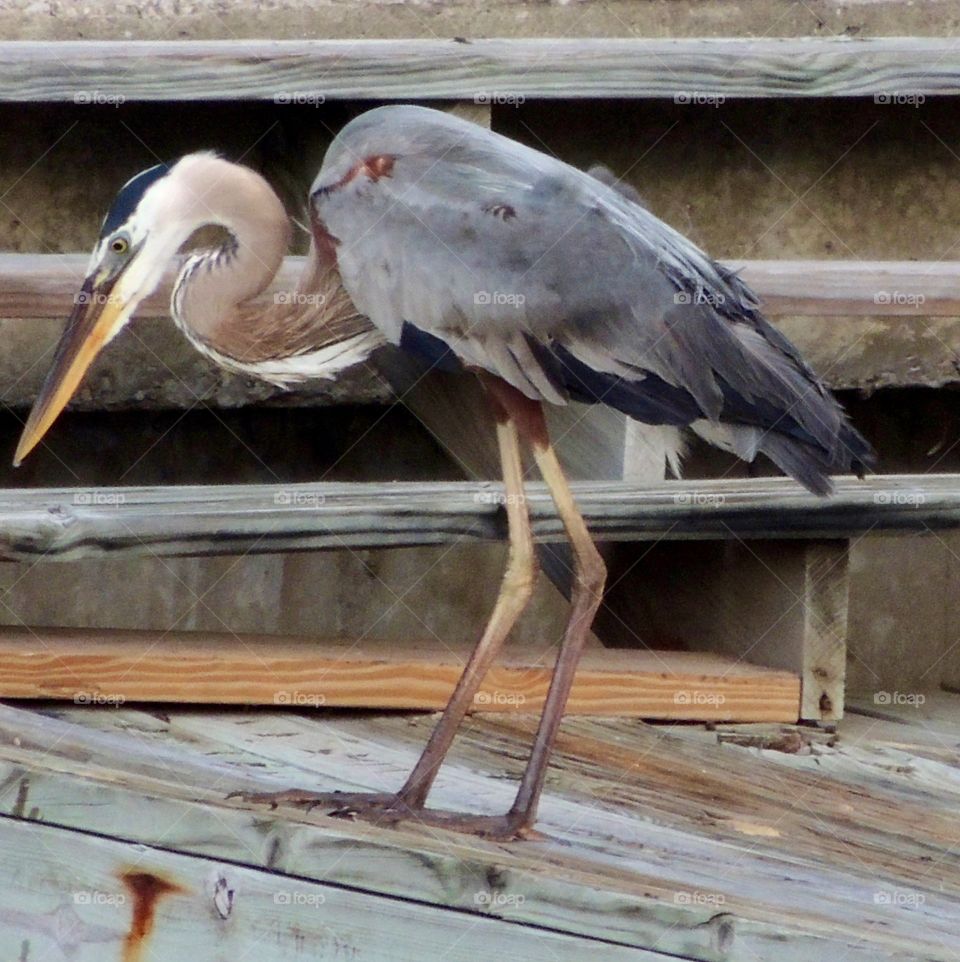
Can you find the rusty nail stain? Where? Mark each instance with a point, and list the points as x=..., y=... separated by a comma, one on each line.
x=146, y=889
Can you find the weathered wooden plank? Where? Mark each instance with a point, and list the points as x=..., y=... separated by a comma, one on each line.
x=523, y=883
x=115, y=667
x=896, y=318
x=72, y=895
x=689, y=70
x=773, y=863
x=823, y=654
x=841, y=288
x=867, y=752
x=44, y=285
x=71, y=523
x=936, y=713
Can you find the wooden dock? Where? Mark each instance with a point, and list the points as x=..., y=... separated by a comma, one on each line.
x=118, y=839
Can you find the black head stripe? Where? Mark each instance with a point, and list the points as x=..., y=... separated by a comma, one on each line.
x=129, y=196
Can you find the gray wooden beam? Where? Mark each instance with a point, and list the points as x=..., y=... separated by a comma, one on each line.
x=44, y=285
x=897, y=318
x=238, y=519
x=102, y=71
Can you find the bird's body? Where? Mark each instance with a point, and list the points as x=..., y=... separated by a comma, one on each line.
x=470, y=246
x=476, y=254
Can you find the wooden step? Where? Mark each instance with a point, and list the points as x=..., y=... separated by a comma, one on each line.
x=487, y=71
x=72, y=523
x=112, y=668
x=862, y=325
x=44, y=285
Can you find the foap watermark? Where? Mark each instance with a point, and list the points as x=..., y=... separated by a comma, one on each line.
x=300, y=298
x=498, y=899
x=699, y=296
x=899, y=99
x=903, y=897
x=111, y=699
x=498, y=497
x=99, y=497
x=95, y=897
x=499, y=98
x=299, y=699
x=299, y=98
x=900, y=298
x=700, y=499
x=98, y=98
x=889, y=698
x=308, y=899
x=699, y=98
x=496, y=699
x=694, y=697
x=498, y=299
x=97, y=298
x=911, y=499
x=300, y=499
x=695, y=897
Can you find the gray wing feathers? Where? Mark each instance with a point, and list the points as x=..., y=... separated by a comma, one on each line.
x=493, y=247
x=606, y=176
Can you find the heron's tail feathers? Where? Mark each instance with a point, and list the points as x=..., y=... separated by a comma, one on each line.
x=794, y=421
x=801, y=457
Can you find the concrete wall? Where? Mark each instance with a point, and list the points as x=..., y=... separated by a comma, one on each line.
x=197, y=19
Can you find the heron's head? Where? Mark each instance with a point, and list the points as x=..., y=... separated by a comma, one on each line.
x=151, y=217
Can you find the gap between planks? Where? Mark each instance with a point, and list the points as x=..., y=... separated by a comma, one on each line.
x=113, y=667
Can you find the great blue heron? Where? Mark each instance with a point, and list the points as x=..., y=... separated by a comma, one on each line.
x=474, y=253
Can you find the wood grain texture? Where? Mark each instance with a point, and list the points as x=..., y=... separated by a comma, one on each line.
x=438, y=69
x=826, y=593
x=114, y=667
x=70, y=523
x=862, y=325
x=44, y=285
x=118, y=900
x=651, y=836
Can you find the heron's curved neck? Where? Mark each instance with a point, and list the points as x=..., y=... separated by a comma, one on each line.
x=214, y=285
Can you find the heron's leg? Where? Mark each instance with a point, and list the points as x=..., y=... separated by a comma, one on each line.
x=523, y=417
x=589, y=577
x=515, y=591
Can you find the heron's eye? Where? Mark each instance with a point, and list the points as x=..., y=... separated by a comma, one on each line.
x=119, y=245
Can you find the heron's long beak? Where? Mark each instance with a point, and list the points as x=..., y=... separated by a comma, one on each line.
x=90, y=326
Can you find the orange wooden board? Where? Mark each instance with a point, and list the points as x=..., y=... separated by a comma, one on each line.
x=93, y=666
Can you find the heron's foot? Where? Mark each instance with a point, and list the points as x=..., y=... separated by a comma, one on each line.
x=497, y=828
x=393, y=810
x=342, y=804
x=387, y=809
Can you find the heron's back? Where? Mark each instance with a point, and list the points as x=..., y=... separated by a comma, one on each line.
x=469, y=249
